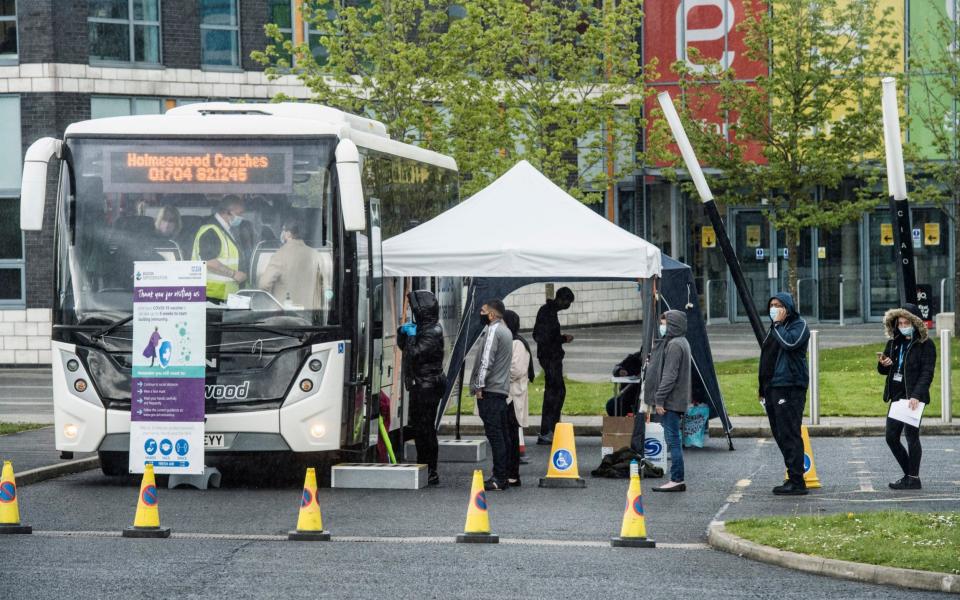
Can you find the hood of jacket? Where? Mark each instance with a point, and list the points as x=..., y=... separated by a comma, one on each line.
x=676, y=323
x=426, y=309
x=788, y=303
x=910, y=312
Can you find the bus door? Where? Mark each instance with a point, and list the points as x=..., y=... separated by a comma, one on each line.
x=375, y=302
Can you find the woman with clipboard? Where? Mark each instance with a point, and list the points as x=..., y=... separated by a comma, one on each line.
x=907, y=362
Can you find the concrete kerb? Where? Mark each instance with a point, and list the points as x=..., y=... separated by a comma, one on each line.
x=59, y=470
x=471, y=429
x=719, y=538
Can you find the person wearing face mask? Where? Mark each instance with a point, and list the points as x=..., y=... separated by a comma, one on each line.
x=783, y=379
x=908, y=362
x=294, y=275
x=216, y=243
x=421, y=342
x=490, y=383
x=667, y=390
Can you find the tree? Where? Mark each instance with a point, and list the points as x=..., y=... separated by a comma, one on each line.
x=556, y=83
x=816, y=115
x=934, y=91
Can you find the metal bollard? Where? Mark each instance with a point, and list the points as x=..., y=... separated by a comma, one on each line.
x=946, y=408
x=814, y=377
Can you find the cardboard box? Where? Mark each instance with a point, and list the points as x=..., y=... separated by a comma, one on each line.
x=616, y=434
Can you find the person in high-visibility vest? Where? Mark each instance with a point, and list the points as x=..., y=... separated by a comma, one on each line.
x=215, y=243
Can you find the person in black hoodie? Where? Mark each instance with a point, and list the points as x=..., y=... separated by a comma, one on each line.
x=908, y=362
x=783, y=379
x=422, y=345
x=550, y=340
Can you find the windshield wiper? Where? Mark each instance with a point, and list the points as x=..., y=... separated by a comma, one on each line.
x=301, y=336
x=99, y=335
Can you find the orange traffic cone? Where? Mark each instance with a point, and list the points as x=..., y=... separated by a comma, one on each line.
x=9, y=509
x=146, y=523
x=562, y=471
x=633, y=532
x=477, y=528
x=310, y=522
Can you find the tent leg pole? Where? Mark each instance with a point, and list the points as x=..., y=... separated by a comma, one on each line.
x=730, y=442
x=460, y=398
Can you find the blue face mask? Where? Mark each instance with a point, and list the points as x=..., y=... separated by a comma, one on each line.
x=906, y=331
x=774, y=313
x=663, y=330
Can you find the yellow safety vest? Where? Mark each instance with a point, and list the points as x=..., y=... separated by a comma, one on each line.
x=219, y=286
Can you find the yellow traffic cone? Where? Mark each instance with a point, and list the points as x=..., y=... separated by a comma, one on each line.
x=562, y=471
x=310, y=522
x=9, y=510
x=477, y=529
x=809, y=466
x=633, y=532
x=146, y=523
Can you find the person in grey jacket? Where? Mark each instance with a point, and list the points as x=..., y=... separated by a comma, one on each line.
x=667, y=389
x=490, y=383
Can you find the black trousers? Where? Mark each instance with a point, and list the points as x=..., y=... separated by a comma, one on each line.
x=493, y=413
x=784, y=406
x=554, y=393
x=424, y=403
x=639, y=433
x=908, y=458
x=513, y=443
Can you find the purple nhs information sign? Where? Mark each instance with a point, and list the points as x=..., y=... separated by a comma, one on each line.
x=169, y=347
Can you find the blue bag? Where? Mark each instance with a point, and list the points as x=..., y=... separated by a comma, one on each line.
x=695, y=425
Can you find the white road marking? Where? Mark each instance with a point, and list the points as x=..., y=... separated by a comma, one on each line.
x=866, y=485
x=856, y=462
x=369, y=539
x=948, y=450
x=24, y=403
x=736, y=495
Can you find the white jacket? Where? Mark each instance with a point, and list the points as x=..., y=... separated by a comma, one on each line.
x=519, y=381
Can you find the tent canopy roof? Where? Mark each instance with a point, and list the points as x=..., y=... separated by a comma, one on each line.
x=521, y=225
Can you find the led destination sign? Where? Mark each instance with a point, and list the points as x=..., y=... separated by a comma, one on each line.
x=198, y=170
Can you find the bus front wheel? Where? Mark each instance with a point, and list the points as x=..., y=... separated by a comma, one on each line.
x=114, y=464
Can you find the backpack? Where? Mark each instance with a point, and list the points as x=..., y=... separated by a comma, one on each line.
x=617, y=465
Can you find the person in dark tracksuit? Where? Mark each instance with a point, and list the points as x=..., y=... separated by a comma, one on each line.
x=422, y=345
x=550, y=341
x=783, y=378
x=908, y=362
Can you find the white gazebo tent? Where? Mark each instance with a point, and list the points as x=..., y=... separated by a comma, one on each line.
x=521, y=225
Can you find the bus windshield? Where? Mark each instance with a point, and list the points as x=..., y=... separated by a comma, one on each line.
x=259, y=212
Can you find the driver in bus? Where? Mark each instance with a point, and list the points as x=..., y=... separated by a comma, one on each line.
x=216, y=243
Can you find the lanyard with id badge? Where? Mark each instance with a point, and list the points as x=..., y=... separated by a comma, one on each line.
x=898, y=375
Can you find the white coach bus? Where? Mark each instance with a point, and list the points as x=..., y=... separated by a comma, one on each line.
x=283, y=374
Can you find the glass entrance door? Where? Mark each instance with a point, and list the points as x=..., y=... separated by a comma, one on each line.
x=881, y=264
x=751, y=242
x=838, y=259
x=806, y=298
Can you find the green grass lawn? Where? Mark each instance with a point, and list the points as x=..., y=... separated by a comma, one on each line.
x=924, y=541
x=849, y=386
x=6, y=428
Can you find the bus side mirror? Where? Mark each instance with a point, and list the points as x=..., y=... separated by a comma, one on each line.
x=351, y=190
x=33, y=184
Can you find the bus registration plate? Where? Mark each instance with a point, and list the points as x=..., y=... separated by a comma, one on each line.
x=213, y=440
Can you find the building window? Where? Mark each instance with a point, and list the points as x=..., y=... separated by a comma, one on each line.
x=8, y=30
x=11, y=238
x=121, y=106
x=220, y=33
x=124, y=31
x=288, y=16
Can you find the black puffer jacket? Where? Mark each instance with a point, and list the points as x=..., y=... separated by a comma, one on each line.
x=423, y=353
x=919, y=355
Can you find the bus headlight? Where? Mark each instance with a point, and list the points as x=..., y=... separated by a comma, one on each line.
x=310, y=378
x=306, y=385
x=70, y=431
x=317, y=430
x=80, y=385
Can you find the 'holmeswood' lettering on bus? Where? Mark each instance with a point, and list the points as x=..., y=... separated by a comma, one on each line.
x=146, y=159
x=227, y=392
